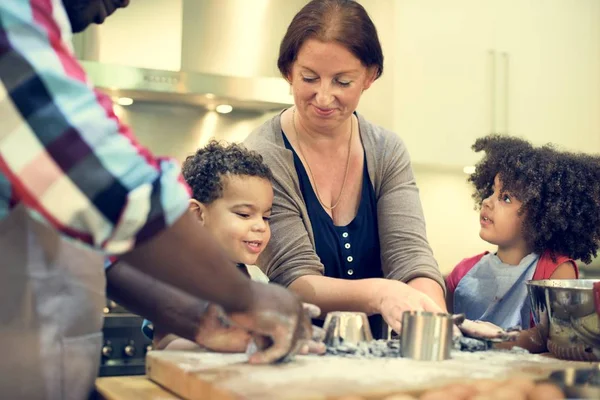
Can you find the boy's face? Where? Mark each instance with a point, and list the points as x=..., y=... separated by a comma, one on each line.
x=500, y=221
x=239, y=219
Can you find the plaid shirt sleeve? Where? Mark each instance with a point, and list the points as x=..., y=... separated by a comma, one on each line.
x=62, y=149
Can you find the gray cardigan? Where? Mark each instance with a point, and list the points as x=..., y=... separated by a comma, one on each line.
x=405, y=252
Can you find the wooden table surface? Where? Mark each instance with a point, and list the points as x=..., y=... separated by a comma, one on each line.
x=131, y=388
x=142, y=388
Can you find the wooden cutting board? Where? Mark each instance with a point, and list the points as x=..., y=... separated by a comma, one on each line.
x=201, y=375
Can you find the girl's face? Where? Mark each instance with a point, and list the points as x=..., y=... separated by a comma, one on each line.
x=500, y=221
x=239, y=219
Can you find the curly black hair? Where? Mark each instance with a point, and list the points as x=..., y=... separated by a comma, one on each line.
x=203, y=171
x=559, y=191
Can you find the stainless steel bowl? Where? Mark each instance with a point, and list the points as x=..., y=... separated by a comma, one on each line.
x=426, y=336
x=567, y=314
x=346, y=327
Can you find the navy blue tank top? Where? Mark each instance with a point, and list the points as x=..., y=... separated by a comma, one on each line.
x=346, y=252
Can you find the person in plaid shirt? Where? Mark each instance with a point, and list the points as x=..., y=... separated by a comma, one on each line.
x=67, y=159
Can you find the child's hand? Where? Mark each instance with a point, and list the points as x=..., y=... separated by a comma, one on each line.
x=486, y=330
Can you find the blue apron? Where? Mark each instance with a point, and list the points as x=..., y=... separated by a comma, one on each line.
x=496, y=292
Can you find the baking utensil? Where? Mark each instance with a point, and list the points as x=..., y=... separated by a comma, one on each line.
x=567, y=315
x=346, y=327
x=426, y=336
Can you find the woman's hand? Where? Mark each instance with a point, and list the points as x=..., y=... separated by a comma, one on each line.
x=393, y=298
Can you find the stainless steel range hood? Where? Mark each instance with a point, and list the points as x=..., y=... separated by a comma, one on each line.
x=261, y=94
x=193, y=52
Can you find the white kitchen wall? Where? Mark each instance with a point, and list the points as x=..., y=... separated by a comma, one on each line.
x=467, y=68
x=452, y=221
x=378, y=103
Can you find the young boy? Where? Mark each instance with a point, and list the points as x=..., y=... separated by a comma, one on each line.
x=232, y=197
x=541, y=207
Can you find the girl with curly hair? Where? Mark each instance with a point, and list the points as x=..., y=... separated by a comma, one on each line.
x=541, y=207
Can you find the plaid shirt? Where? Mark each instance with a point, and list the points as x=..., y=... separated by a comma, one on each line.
x=63, y=152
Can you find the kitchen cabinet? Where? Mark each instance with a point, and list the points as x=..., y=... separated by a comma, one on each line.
x=467, y=68
x=553, y=48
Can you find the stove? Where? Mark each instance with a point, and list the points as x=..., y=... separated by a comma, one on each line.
x=125, y=346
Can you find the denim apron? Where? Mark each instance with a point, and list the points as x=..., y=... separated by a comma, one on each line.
x=51, y=312
x=496, y=292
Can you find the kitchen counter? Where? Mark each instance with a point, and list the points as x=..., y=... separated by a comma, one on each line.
x=140, y=387
x=130, y=388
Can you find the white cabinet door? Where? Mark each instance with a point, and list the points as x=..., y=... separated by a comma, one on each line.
x=377, y=103
x=554, y=70
x=443, y=77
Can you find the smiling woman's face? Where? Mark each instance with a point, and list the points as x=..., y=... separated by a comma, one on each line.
x=327, y=82
x=84, y=12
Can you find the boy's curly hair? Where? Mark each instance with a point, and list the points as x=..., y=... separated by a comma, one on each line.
x=559, y=191
x=204, y=170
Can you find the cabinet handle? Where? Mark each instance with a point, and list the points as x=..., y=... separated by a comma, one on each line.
x=492, y=60
x=506, y=59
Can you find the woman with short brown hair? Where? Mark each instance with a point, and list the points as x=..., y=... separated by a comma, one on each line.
x=348, y=227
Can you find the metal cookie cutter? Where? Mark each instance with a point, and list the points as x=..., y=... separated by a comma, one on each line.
x=426, y=336
x=346, y=327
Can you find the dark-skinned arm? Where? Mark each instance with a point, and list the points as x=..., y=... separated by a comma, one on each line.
x=162, y=304
x=174, y=313
x=187, y=257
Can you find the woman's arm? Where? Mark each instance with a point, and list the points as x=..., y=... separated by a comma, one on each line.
x=332, y=294
x=432, y=289
x=372, y=296
x=405, y=252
